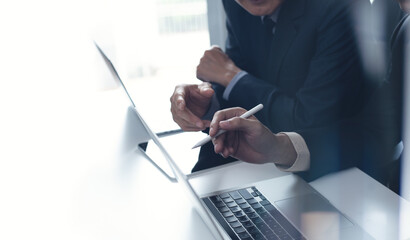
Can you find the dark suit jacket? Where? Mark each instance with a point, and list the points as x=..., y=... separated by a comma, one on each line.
x=367, y=140
x=307, y=75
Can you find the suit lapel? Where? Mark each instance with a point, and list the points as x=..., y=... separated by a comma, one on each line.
x=286, y=31
x=396, y=32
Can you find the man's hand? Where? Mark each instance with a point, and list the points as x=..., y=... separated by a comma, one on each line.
x=216, y=67
x=189, y=103
x=249, y=140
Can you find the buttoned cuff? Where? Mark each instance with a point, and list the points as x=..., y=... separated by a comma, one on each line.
x=302, y=162
x=232, y=84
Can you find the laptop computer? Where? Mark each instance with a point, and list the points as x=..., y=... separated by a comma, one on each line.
x=284, y=207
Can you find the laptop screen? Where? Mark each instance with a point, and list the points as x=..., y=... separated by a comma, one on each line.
x=180, y=177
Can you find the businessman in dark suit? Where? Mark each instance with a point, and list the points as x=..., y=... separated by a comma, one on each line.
x=368, y=140
x=297, y=57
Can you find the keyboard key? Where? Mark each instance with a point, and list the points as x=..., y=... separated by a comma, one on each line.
x=231, y=219
x=231, y=204
x=258, y=236
x=252, y=215
x=236, y=209
x=264, y=215
x=224, y=195
x=261, y=225
x=239, y=229
x=247, y=224
x=245, y=194
x=262, y=197
x=248, y=210
x=264, y=202
x=215, y=199
x=219, y=204
x=285, y=237
x=261, y=211
x=244, y=235
x=279, y=231
x=276, y=227
x=249, y=238
x=291, y=229
x=235, y=224
x=254, y=194
x=266, y=230
x=269, y=220
x=227, y=214
x=235, y=195
x=270, y=208
x=256, y=205
x=272, y=237
x=257, y=220
x=223, y=209
x=243, y=218
x=240, y=201
x=227, y=200
x=244, y=205
x=252, y=230
x=252, y=201
x=294, y=233
x=239, y=214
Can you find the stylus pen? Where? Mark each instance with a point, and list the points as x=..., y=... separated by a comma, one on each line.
x=249, y=113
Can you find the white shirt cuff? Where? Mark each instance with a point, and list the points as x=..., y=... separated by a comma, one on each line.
x=302, y=162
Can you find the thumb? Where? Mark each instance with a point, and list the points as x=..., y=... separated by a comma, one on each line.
x=206, y=90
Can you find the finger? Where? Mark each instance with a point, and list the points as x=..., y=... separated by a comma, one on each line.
x=219, y=143
x=225, y=152
x=186, y=119
x=205, y=89
x=206, y=123
x=223, y=115
x=228, y=151
x=178, y=97
x=231, y=142
x=190, y=126
x=217, y=147
x=239, y=124
x=212, y=54
x=216, y=48
x=181, y=113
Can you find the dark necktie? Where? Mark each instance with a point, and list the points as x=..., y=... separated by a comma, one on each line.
x=269, y=25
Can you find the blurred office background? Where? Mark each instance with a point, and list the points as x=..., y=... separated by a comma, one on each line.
x=49, y=69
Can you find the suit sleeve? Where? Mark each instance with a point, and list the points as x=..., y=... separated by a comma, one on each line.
x=333, y=148
x=330, y=89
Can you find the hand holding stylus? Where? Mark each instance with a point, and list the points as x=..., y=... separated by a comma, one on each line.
x=247, y=114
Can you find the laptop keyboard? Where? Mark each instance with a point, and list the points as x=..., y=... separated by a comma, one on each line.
x=247, y=214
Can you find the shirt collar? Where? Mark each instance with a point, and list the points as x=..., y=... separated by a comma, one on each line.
x=274, y=16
